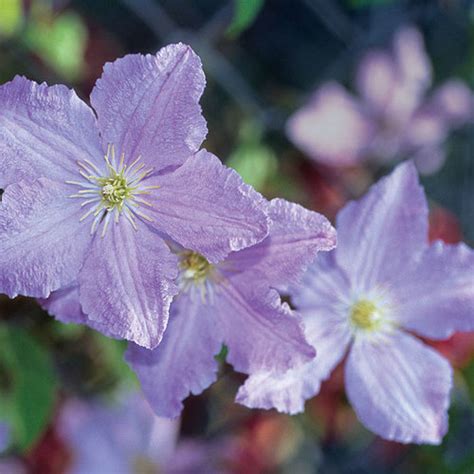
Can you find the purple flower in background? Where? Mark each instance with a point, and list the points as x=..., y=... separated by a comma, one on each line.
x=383, y=284
x=127, y=438
x=4, y=436
x=89, y=200
x=234, y=303
x=391, y=119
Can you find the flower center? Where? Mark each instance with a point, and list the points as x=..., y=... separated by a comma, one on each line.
x=113, y=191
x=365, y=315
x=144, y=465
x=196, y=273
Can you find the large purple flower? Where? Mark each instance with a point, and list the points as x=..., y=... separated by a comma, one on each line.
x=382, y=284
x=391, y=118
x=234, y=303
x=89, y=199
x=127, y=438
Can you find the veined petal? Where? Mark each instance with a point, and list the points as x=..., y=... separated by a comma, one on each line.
x=332, y=128
x=43, y=132
x=261, y=332
x=436, y=298
x=391, y=227
x=149, y=106
x=184, y=361
x=288, y=392
x=42, y=242
x=295, y=237
x=206, y=207
x=127, y=284
x=64, y=305
x=399, y=388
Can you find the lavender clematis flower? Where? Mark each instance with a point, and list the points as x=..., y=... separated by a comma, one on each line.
x=89, y=199
x=391, y=118
x=234, y=302
x=366, y=298
x=127, y=438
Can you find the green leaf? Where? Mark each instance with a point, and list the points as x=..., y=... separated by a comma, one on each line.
x=28, y=388
x=11, y=16
x=245, y=12
x=59, y=41
x=252, y=159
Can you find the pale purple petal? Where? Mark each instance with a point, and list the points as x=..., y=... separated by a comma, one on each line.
x=260, y=332
x=184, y=361
x=399, y=387
x=206, y=207
x=43, y=132
x=332, y=128
x=429, y=160
x=426, y=128
x=42, y=242
x=321, y=301
x=296, y=235
x=126, y=284
x=436, y=298
x=384, y=231
x=413, y=62
x=376, y=79
x=64, y=305
x=115, y=437
x=455, y=101
x=288, y=392
x=149, y=106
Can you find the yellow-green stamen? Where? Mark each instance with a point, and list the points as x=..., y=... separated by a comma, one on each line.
x=113, y=191
x=364, y=315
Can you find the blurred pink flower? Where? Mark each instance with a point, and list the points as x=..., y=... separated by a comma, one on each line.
x=392, y=118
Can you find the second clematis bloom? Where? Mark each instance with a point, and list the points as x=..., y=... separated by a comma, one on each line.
x=391, y=118
x=369, y=299
x=89, y=199
x=234, y=302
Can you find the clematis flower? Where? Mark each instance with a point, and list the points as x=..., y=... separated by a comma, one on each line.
x=233, y=302
x=392, y=118
x=89, y=199
x=127, y=438
x=383, y=286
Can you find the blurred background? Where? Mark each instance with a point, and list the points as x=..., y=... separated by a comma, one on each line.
x=264, y=60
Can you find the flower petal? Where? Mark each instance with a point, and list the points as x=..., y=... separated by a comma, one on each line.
x=295, y=237
x=260, y=332
x=64, y=305
x=376, y=79
x=413, y=62
x=332, y=128
x=436, y=298
x=206, y=207
x=391, y=225
x=455, y=101
x=149, y=105
x=288, y=392
x=184, y=361
x=43, y=132
x=42, y=242
x=399, y=388
x=126, y=284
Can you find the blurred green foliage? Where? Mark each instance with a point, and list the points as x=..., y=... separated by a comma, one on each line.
x=28, y=385
x=59, y=40
x=11, y=16
x=245, y=13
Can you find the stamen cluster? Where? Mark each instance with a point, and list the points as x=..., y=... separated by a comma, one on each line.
x=113, y=191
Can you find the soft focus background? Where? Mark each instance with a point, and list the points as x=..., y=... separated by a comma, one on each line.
x=263, y=59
